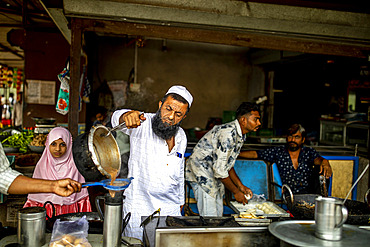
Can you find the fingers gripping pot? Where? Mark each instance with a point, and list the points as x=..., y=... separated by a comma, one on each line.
x=96, y=154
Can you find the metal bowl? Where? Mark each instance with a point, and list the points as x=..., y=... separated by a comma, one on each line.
x=44, y=121
x=36, y=149
x=105, y=151
x=96, y=154
x=11, y=149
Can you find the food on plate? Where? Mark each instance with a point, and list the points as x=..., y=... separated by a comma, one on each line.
x=248, y=197
x=249, y=215
x=267, y=208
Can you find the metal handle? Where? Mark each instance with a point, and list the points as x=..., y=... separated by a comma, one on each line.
x=121, y=125
x=126, y=220
x=290, y=192
x=344, y=216
x=97, y=205
x=366, y=194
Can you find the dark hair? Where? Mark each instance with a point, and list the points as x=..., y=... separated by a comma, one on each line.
x=246, y=107
x=178, y=98
x=294, y=128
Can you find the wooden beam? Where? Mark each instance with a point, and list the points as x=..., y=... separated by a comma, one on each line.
x=306, y=44
x=75, y=63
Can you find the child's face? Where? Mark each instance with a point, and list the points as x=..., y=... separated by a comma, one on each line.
x=58, y=148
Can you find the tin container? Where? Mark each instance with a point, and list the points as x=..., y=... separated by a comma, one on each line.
x=31, y=226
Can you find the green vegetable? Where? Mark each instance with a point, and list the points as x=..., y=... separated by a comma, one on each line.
x=20, y=141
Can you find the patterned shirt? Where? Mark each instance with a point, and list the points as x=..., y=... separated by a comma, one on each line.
x=213, y=157
x=7, y=174
x=297, y=180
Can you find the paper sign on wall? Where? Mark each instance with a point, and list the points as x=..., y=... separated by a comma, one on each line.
x=40, y=92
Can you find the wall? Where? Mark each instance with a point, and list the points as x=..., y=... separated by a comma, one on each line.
x=45, y=57
x=218, y=76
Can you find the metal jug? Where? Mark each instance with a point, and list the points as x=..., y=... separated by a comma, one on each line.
x=330, y=215
x=113, y=223
x=31, y=226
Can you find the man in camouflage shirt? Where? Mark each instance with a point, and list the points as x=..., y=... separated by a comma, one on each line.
x=211, y=165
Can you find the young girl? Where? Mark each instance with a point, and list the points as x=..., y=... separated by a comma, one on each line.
x=56, y=163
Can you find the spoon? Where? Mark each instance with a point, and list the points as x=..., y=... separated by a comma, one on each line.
x=358, y=179
x=323, y=188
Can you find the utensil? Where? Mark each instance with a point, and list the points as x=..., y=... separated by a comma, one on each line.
x=96, y=157
x=330, y=215
x=118, y=184
x=120, y=126
x=354, y=184
x=323, y=188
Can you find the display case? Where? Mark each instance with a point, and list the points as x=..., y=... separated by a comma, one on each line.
x=333, y=132
x=358, y=134
x=344, y=133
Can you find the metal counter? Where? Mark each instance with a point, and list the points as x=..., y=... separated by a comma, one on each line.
x=157, y=233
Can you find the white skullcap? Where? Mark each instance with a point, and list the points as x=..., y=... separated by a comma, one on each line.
x=183, y=92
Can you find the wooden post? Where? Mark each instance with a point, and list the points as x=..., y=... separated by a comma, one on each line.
x=75, y=63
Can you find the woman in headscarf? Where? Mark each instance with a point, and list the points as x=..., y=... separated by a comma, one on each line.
x=56, y=163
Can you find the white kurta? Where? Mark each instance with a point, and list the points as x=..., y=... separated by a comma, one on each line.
x=158, y=174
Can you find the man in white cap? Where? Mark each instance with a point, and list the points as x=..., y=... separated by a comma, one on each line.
x=157, y=148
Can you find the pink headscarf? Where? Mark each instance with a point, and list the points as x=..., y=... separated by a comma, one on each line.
x=52, y=168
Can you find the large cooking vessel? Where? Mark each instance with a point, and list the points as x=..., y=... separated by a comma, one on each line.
x=302, y=206
x=96, y=154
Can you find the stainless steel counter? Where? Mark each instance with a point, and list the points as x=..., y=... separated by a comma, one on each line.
x=157, y=233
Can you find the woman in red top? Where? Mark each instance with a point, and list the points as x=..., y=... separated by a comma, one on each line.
x=56, y=163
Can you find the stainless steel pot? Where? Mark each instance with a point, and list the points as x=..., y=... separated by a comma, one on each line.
x=96, y=154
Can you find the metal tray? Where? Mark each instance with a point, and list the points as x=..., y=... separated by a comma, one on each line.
x=302, y=233
x=252, y=222
x=239, y=207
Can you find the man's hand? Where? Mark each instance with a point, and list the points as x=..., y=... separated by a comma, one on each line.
x=326, y=169
x=132, y=119
x=248, y=194
x=240, y=197
x=66, y=187
x=243, y=194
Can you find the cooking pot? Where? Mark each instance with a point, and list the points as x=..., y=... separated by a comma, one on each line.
x=96, y=154
x=302, y=206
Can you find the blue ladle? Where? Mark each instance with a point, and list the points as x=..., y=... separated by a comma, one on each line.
x=118, y=184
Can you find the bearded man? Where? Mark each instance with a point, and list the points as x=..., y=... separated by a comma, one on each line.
x=157, y=148
x=296, y=163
